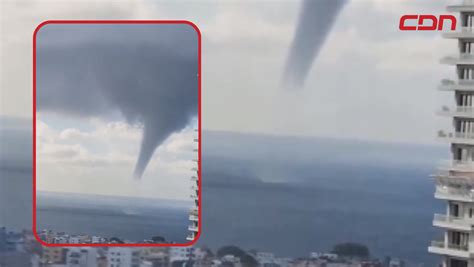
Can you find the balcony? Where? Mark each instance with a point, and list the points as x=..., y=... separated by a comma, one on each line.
x=193, y=218
x=464, y=6
x=457, y=166
x=452, y=179
x=190, y=237
x=465, y=32
x=452, y=222
x=457, y=137
x=460, y=84
x=194, y=211
x=193, y=228
x=458, y=111
x=439, y=247
x=461, y=59
x=457, y=194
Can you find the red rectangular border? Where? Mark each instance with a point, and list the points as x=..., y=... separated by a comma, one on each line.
x=35, y=233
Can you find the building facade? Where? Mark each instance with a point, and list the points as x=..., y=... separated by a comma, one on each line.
x=53, y=255
x=194, y=212
x=123, y=257
x=455, y=178
x=81, y=257
x=180, y=253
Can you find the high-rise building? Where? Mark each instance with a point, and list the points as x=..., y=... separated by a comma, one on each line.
x=194, y=212
x=455, y=178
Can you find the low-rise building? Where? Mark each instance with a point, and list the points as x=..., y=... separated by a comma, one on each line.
x=53, y=255
x=81, y=257
x=265, y=258
x=123, y=257
x=180, y=254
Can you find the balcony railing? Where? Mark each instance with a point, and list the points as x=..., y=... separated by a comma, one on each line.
x=467, y=29
x=460, y=3
x=459, y=58
x=461, y=136
x=461, y=81
x=193, y=217
x=437, y=244
x=450, y=219
x=447, y=82
x=441, y=244
x=458, y=165
x=449, y=192
x=458, y=84
x=446, y=218
x=453, y=222
x=193, y=228
x=463, y=31
x=458, y=247
x=190, y=237
x=469, y=111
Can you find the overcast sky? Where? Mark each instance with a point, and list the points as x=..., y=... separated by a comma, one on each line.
x=371, y=81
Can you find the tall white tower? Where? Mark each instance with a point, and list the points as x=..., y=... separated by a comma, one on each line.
x=455, y=178
x=194, y=212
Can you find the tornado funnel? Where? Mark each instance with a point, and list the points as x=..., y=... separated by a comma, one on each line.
x=314, y=24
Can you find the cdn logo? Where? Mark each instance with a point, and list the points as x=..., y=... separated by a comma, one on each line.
x=426, y=22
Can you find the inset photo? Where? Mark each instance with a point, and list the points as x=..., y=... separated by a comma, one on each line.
x=117, y=133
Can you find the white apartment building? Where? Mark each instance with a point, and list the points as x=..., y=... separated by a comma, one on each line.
x=455, y=178
x=97, y=240
x=179, y=253
x=123, y=257
x=186, y=253
x=81, y=257
x=194, y=212
x=265, y=258
x=198, y=254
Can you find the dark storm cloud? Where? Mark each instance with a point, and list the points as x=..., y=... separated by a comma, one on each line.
x=146, y=72
x=315, y=22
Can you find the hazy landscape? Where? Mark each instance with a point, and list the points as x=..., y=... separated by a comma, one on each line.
x=129, y=218
x=295, y=195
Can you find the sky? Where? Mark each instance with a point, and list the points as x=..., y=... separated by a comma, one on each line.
x=370, y=81
x=385, y=72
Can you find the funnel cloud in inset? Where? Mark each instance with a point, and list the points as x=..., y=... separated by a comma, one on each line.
x=314, y=24
x=148, y=73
